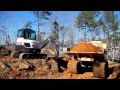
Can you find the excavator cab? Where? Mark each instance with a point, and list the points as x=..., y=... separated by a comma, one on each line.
x=26, y=34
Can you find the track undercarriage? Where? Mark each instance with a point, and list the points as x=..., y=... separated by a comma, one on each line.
x=28, y=55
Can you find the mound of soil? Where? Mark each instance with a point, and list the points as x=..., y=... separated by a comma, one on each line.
x=85, y=47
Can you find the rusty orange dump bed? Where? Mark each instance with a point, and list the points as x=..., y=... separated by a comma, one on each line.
x=84, y=52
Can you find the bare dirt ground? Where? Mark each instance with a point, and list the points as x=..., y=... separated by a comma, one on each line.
x=14, y=68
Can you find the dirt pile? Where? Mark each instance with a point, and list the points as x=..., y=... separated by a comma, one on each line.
x=48, y=52
x=85, y=47
x=116, y=73
x=14, y=68
x=67, y=75
x=11, y=68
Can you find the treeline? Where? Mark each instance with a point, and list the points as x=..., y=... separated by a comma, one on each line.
x=94, y=25
x=99, y=25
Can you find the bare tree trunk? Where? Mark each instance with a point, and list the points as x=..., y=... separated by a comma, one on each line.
x=38, y=35
x=108, y=44
x=79, y=34
x=85, y=33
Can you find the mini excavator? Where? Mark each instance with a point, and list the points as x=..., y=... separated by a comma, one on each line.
x=28, y=47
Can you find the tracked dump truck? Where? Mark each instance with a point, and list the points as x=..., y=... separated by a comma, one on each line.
x=27, y=47
x=88, y=54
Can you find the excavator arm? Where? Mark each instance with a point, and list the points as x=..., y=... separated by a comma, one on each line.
x=50, y=39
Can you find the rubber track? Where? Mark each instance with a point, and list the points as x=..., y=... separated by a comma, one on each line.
x=100, y=69
x=72, y=66
x=32, y=56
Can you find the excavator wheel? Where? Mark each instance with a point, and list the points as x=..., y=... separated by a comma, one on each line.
x=15, y=54
x=73, y=66
x=100, y=69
